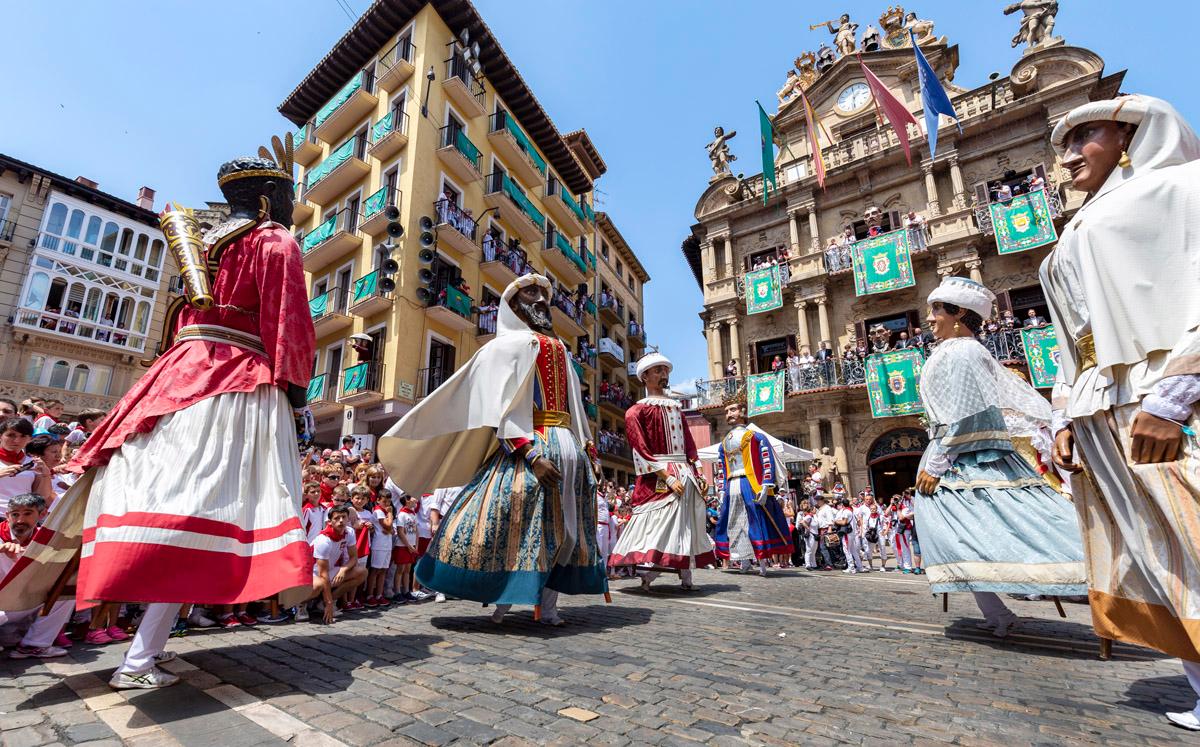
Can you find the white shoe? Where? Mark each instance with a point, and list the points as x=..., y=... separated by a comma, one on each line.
x=554, y=622
x=498, y=616
x=850, y=570
x=420, y=596
x=302, y=613
x=151, y=679
x=762, y=570
x=163, y=657
x=29, y=652
x=439, y=597
x=1185, y=719
x=199, y=620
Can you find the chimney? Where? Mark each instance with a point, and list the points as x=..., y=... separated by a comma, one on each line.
x=145, y=198
x=87, y=182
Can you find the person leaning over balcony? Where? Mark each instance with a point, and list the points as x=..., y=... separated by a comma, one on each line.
x=833, y=255
x=1033, y=319
x=731, y=368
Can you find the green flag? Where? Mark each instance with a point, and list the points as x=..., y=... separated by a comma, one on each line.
x=892, y=380
x=768, y=151
x=763, y=290
x=764, y=393
x=1022, y=223
x=882, y=263
x=1042, y=355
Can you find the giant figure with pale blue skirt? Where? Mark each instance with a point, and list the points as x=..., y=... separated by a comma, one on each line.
x=989, y=523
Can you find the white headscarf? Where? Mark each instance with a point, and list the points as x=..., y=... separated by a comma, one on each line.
x=1126, y=266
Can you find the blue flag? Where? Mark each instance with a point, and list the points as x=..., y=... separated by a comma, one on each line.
x=933, y=97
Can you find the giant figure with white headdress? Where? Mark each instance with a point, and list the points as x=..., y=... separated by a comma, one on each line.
x=510, y=427
x=1122, y=285
x=667, y=528
x=988, y=522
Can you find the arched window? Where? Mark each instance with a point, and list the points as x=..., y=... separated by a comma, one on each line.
x=33, y=371
x=58, y=218
x=79, y=378
x=100, y=380
x=93, y=231
x=156, y=253
x=126, y=241
x=39, y=288
x=109, y=243
x=57, y=295
x=110, y=307
x=91, y=310
x=143, y=317
x=140, y=252
x=76, y=224
x=58, y=375
x=125, y=314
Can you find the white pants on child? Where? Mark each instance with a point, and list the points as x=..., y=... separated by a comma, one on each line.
x=151, y=637
x=992, y=606
x=44, y=630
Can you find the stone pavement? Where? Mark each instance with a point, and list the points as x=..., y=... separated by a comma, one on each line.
x=798, y=658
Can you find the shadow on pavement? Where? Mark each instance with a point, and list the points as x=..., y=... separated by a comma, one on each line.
x=1051, y=637
x=591, y=619
x=1160, y=694
x=662, y=588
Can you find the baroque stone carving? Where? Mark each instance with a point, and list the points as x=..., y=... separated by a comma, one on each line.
x=718, y=152
x=1037, y=23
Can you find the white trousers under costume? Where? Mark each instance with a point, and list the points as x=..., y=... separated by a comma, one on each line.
x=685, y=576
x=44, y=630
x=850, y=547
x=992, y=606
x=878, y=546
x=548, y=604
x=151, y=637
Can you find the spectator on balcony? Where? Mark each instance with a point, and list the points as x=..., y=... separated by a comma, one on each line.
x=1003, y=192
x=1008, y=322
x=777, y=364
x=1034, y=183
x=793, y=368
x=731, y=368
x=833, y=255
x=919, y=338
x=915, y=224
x=904, y=342
x=492, y=245
x=72, y=311
x=104, y=335
x=1032, y=319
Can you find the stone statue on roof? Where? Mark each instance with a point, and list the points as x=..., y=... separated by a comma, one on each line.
x=718, y=152
x=1037, y=24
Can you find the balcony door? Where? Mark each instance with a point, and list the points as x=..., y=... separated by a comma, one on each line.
x=441, y=364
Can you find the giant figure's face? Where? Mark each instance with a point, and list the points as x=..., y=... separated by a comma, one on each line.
x=532, y=306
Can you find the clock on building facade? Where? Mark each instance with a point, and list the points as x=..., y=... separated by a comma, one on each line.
x=854, y=97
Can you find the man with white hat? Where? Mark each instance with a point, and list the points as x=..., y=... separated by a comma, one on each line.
x=667, y=529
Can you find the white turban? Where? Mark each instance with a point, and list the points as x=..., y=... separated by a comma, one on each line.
x=964, y=293
x=651, y=360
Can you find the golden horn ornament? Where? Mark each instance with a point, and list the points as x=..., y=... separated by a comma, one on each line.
x=187, y=246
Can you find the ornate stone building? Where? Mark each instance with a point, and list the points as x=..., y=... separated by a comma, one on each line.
x=83, y=287
x=1006, y=123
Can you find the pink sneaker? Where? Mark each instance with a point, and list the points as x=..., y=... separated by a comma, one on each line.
x=97, y=637
x=115, y=633
x=63, y=642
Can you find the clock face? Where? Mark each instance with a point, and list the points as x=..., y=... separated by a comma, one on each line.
x=854, y=97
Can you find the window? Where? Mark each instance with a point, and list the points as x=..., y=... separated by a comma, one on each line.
x=352, y=205
x=57, y=219
x=604, y=249
x=344, y=280
x=620, y=269
x=33, y=372
x=79, y=378
x=37, y=291
x=5, y=205
x=360, y=148
x=58, y=375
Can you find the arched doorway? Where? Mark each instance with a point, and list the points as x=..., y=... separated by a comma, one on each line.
x=893, y=459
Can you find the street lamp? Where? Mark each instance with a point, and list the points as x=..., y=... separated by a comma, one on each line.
x=993, y=77
x=429, y=76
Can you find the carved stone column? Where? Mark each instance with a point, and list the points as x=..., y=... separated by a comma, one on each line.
x=728, y=255
x=794, y=232
x=823, y=319
x=956, y=182
x=814, y=233
x=934, y=207
x=735, y=346
x=715, y=363
x=837, y=423
x=802, y=324
x=975, y=267
x=814, y=435
x=709, y=255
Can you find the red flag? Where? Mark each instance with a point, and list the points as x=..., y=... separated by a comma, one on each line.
x=810, y=120
x=896, y=112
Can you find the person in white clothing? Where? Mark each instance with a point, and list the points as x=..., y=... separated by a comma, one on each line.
x=24, y=513
x=19, y=472
x=438, y=506
x=824, y=521
x=336, y=568
x=875, y=535
x=847, y=526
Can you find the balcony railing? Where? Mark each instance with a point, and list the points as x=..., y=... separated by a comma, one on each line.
x=332, y=301
x=455, y=217
x=556, y=240
x=609, y=346
x=431, y=378
x=367, y=288
x=614, y=444
x=983, y=213
x=510, y=253
x=586, y=354
x=502, y=120
x=343, y=220
x=485, y=320
x=452, y=136
x=555, y=188
x=456, y=67
x=567, y=306
x=395, y=65
x=394, y=121
x=363, y=81
x=611, y=303
x=616, y=397
x=352, y=148
x=501, y=182
x=637, y=332
x=106, y=331
x=449, y=297
x=378, y=200
x=362, y=378
x=318, y=387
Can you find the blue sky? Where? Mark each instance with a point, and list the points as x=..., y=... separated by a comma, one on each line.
x=132, y=93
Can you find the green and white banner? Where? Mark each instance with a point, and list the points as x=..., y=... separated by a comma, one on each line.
x=882, y=263
x=1023, y=223
x=1042, y=355
x=764, y=393
x=764, y=292
x=892, y=383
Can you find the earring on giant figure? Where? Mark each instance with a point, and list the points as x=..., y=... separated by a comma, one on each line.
x=956, y=326
x=1125, y=161
x=264, y=208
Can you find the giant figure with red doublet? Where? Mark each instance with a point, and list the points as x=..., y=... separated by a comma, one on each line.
x=510, y=427
x=191, y=487
x=667, y=528
x=751, y=524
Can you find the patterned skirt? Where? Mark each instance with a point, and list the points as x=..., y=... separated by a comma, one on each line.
x=505, y=537
x=993, y=524
x=668, y=532
x=745, y=530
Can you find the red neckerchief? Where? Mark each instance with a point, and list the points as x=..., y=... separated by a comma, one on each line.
x=332, y=534
x=408, y=510
x=12, y=457
x=326, y=495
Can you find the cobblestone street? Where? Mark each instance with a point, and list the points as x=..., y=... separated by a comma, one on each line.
x=793, y=659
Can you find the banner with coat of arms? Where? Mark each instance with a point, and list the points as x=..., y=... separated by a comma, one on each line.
x=882, y=263
x=1042, y=355
x=764, y=393
x=892, y=383
x=764, y=292
x=1023, y=223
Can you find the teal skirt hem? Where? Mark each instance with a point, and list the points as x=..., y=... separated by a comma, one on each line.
x=509, y=587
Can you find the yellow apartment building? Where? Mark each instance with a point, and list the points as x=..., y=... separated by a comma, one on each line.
x=418, y=108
